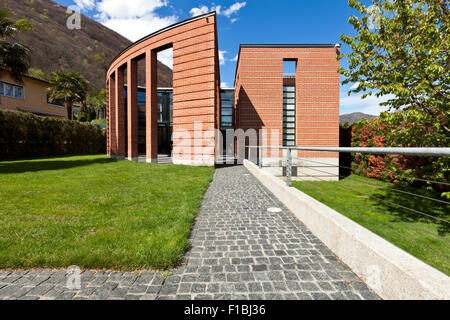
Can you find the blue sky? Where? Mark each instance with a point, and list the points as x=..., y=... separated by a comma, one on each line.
x=239, y=21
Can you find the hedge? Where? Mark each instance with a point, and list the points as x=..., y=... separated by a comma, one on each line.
x=24, y=135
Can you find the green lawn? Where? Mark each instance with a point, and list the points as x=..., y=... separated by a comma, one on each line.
x=353, y=197
x=97, y=213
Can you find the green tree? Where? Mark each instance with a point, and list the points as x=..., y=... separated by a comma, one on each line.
x=98, y=101
x=70, y=86
x=37, y=73
x=14, y=56
x=85, y=113
x=401, y=48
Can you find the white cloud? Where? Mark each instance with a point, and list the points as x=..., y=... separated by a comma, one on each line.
x=369, y=105
x=127, y=9
x=136, y=28
x=222, y=59
x=133, y=19
x=219, y=10
x=234, y=8
x=354, y=86
x=199, y=11
x=224, y=85
x=166, y=57
x=85, y=4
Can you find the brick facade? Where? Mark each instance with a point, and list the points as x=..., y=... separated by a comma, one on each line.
x=259, y=95
x=196, y=85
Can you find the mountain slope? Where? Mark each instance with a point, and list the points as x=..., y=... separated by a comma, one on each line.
x=355, y=117
x=88, y=50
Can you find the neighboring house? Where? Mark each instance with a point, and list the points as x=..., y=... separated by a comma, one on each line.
x=28, y=96
x=294, y=107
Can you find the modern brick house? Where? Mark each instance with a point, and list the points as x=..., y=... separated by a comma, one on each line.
x=294, y=107
x=299, y=107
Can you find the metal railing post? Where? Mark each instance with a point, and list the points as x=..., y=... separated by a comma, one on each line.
x=289, y=167
x=260, y=157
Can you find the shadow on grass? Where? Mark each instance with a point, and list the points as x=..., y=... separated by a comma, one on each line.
x=422, y=210
x=43, y=165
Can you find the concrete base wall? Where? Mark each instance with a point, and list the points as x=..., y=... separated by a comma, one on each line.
x=307, y=168
x=388, y=270
x=111, y=156
x=205, y=162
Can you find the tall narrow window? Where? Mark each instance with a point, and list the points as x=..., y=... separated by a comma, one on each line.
x=289, y=115
x=289, y=101
x=226, y=108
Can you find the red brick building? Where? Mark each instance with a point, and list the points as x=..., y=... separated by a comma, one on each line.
x=297, y=107
x=196, y=85
x=283, y=109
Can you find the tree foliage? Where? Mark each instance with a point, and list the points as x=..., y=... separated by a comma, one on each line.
x=86, y=113
x=98, y=100
x=70, y=86
x=405, y=54
x=14, y=56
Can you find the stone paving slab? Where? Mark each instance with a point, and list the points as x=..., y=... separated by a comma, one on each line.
x=239, y=251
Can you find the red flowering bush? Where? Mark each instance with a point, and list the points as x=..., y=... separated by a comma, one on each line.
x=410, y=128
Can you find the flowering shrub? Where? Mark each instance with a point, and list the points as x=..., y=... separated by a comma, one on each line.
x=410, y=128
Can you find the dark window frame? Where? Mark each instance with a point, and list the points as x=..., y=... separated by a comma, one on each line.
x=289, y=121
x=13, y=90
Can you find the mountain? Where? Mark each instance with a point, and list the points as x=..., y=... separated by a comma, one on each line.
x=54, y=47
x=355, y=117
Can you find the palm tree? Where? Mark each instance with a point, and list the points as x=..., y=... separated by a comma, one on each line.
x=14, y=57
x=7, y=27
x=72, y=87
x=98, y=101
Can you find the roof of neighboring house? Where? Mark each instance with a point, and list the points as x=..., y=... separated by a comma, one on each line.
x=27, y=76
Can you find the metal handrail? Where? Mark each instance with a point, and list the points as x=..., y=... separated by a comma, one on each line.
x=424, y=152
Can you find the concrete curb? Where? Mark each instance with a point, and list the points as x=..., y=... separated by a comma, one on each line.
x=388, y=270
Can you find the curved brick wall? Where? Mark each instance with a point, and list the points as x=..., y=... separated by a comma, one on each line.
x=196, y=85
